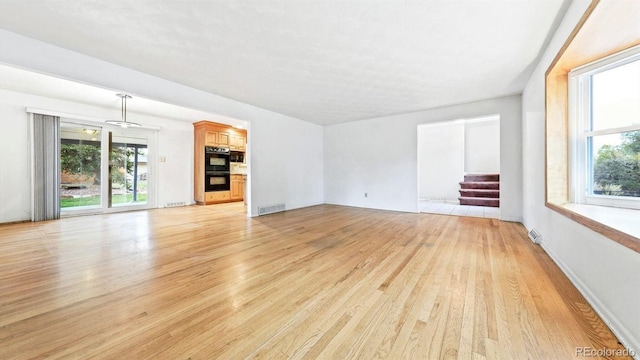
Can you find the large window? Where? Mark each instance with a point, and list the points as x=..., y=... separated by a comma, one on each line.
x=605, y=123
x=591, y=138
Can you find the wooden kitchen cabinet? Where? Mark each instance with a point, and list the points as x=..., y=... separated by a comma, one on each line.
x=216, y=138
x=237, y=187
x=238, y=141
x=214, y=134
x=211, y=138
x=223, y=139
x=207, y=133
x=217, y=196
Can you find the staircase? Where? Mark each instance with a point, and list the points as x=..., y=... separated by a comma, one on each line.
x=480, y=190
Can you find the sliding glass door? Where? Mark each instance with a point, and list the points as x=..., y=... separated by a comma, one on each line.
x=105, y=168
x=129, y=169
x=80, y=166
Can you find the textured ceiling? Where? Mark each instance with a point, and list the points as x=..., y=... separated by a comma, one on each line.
x=321, y=61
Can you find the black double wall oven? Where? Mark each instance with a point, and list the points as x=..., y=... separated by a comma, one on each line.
x=217, y=169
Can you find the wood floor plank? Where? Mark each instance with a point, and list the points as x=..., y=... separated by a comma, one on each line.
x=336, y=300
x=327, y=281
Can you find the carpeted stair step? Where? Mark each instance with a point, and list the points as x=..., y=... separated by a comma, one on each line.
x=495, y=185
x=481, y=177
x=481, y=193
x=479, y=201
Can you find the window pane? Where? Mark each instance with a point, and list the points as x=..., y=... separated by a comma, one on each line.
x=129, y=169
x=615, y=163
x=80, y=166
x=616, y=97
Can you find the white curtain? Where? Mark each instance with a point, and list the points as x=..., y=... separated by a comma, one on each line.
x=46, y=156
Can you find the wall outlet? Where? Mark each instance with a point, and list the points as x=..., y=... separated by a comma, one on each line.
x=365, y=194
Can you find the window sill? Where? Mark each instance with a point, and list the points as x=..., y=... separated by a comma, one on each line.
x=620, y=225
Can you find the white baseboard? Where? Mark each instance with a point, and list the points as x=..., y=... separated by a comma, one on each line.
x=511, y=219
x=619, y=330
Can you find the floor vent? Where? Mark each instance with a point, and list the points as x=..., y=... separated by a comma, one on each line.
x=175, y=204
x=270, y=209
x=535, y=236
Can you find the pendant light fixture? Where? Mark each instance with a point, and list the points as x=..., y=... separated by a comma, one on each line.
x=123, y=123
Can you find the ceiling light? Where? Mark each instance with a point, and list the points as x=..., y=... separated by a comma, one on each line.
x=123, y=123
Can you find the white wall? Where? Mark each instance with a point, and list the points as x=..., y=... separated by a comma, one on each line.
x=285, y=163
x=482, y=147
x=275, y=139
x=379, y=156
x=604, y=271
x=15, y=196
x=441, y=160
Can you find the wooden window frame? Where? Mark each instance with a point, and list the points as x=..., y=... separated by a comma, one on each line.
x=607, y=27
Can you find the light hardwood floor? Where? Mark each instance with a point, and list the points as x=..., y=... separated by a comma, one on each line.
x=321, y=282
